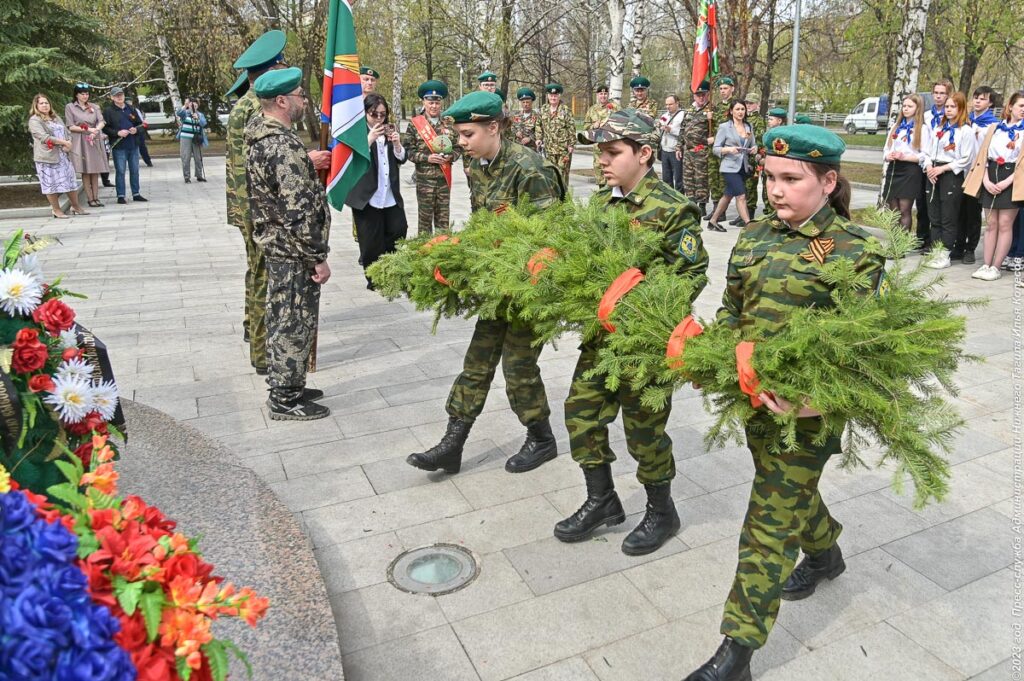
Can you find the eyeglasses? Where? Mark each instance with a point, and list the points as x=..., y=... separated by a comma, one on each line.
x=376, y=114
x=301, y=94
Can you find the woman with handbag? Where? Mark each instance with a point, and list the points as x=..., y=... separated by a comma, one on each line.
x=51, y=145
x=88, y=154
x=734, y=144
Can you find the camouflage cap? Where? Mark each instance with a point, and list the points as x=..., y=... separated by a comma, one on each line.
x=525, y=93
x=624, y=124
x=809, y=143
x=488, y=77
x=367, y=71
x=640, y=81
x=478, y=106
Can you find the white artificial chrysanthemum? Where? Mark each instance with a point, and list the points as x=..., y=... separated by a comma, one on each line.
x=75, y=368
x=71, y=398
x=68, y=340
x=104, y=399
x=29, y=264
x=20, y=293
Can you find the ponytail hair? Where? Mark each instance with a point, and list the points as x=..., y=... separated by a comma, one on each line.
x=839, y=199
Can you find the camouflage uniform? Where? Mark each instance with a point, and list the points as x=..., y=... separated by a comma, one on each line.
x=715, y=180
x=591, y=406
x=594, y=117
x=650, y=107
x=238, y=215
x=516, y=172
x=291, y=225
x=757, y=124
x=556, y=133
x=524, y=127
x=693, y=142
x=771, y=272
x=433, y=195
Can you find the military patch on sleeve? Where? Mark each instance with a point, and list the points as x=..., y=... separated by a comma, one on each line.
x=818, y=250
x=688, y=247
x=883, y=285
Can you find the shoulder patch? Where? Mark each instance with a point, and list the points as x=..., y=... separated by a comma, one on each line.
x=688, y=246
x=883, y=285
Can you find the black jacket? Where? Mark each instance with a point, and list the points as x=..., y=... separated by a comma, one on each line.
x=359, y=197
x=114, y=120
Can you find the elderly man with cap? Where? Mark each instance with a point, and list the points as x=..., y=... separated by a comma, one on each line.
x=503, y=174
x=556, y=131
x=291, y=222
x=488, y=81
x=693, y=147
x=368, y=79
x=430, y=144
x=265, y=54
x=524, y=123
x=720, y=114
x=640, y=99
x=122, y=125
x=595, y=116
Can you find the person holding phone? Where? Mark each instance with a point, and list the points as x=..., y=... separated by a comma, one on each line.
x=192, y=138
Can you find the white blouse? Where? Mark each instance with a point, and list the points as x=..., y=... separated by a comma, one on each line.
x=901, y=145
x=936, y=151
x=1000, y=146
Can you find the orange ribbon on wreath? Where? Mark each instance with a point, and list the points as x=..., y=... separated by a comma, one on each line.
x=440, y=238
x=440, y=277
x=622, y=285
x=538, y=261
x=746, y=374
x=688, y=328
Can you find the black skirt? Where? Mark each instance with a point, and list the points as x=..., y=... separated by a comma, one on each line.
x=903, y=180
x=998, y=173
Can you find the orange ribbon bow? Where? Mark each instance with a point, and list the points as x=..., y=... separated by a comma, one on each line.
x=688, y=328
x=622, y=285
x=538, y=261
x=746, y=374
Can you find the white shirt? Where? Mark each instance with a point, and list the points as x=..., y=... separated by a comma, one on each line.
x=383, y=197
x=901, y=144
x=669, y=124
x=959, y=158
x=998, y=147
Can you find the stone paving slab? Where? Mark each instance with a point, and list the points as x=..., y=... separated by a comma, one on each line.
x=925, y=595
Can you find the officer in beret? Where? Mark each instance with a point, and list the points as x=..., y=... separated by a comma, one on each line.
x=776, y=269
x=556, y=131
x=503, y=174
x=640, y=98
x=524, y=123
x=595, y=116
x=720, y=114
x=693, y=147
x=487, y=81
x=368, y=79
x=291, y=223
x=431, y=146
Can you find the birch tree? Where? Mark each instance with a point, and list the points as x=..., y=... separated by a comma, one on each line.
x=399, y=27
x=616, y=50
x=908, y=57
x=639, y=26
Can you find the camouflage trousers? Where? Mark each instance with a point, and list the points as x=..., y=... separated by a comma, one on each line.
x=716, y=183
x=510, y=343
x=785, y=514
x=598, y=175
x=589, y=409
x=562, y=161
x=293, y=301
x=433, y=202
x=695, y=176
x=255, y=299
x=750, y=184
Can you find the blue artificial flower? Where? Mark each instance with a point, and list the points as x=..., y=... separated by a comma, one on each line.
x=26, y=658
x=16, y=513
x=40, y=615
x=64, y=581
x=108, y=664
x=56, y=543
x=15, y=560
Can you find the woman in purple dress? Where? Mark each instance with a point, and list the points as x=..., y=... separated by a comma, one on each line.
x=51, y=144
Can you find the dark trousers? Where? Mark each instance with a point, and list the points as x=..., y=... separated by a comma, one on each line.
x=924, y=219
x=969, y=233
x=944, y=209
x=143, y=151
x=378, y=230
x=672, y=169
x=1017, y=247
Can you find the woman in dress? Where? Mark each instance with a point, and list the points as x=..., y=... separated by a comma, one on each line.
x=734, y=144
x=85, y=121
x=51, y=145
x=902, y=151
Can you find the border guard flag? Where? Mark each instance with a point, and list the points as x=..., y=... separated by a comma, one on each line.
x=342, y=106
x=705, y=48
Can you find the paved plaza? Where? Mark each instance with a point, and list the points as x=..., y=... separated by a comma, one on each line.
x=927, y=595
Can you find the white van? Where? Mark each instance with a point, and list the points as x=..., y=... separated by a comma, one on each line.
x=156, y=110
x=868, y=116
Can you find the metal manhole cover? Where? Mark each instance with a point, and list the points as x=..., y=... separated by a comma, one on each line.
x=437, y=570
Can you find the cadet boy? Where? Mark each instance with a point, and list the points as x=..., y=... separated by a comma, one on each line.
x=720, y=114
x=502, y=174
x=291, y=222
x=595, y=116
x=524, y=123
x=694, y=149
x=628, y=141
x=641, y=97
x=556, y=131
x=433, y=176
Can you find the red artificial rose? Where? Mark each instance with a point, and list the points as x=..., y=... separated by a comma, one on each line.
x=1000, y=161
x=55, y=316
x=72, y=353
x=84, y=452
x=186, y=565
x=41, y=383
x=133, y=632
x=92, y=421
x=29, y=354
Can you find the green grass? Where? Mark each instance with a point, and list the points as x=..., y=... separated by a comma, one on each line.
x=865, y=140
x=866, y=173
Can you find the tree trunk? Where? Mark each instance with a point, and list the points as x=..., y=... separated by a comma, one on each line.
x=170, y=71
x=616, y=50
x=974, y=46
x=908, y=58
x=398, y=31
x=639, y=34
x=766, y=82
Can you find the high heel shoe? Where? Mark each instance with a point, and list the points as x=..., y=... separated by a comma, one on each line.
x=59, y=217
x=79, y=212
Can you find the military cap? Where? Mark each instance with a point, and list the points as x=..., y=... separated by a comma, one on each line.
x=726, y=80
x=277, y=82
x=640, y=81
x=488, y=77
x=705, y=86
x=803, y=119
x=525, y=93
x=240, y=85
x=624, y=124
x=265, y=51
x=810, y=143
x=476, y=107
x=553, y=88
x=432, y=88
x=601, y=88
x=367, y=71
x=778, y=112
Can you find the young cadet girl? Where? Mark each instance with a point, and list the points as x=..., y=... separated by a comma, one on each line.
x=775, y=269
x=997, y=179
x=902, y=150
x=948, y=152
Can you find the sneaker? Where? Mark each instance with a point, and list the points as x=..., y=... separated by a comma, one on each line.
x=979, y=272
x=990, y=274
x=121, y=200
x=1015, y=264
x=301, y=410
x=188, y=181
x=938, y=259
x=1005, y=263
x=312, y=393
x=140, y=198
x=969, y=258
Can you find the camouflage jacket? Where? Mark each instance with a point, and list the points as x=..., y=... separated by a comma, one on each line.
x=774, y=269
x=418, y=152
x=655, y=205
x=290, y=216
x=650, y=107
x=234, y=160
x=693, y=131
x=758, y=125
x=556, y=132
x=597, y=114
x=524, y=128
x=720, y=115
x=515, y=173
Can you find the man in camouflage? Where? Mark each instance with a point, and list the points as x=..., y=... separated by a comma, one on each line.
x=628, y=140
x=757, y=124
x=291, y=224
x=524, y=123
x=694, y=149
x=719, y=115
x=640, y=99
x=595, y=116
x=502, y=174
x=556, y=131
x=486, y=82
x=433, y=165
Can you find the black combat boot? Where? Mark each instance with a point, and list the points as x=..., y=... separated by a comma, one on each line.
x=731, y=662
x=447, y=453
x=660, y=522
x=602, y=507
x=813, y=569
x=538, y=448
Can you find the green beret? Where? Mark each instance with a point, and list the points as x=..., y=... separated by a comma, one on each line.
x=778, y=112
x=624, y=124
x=803, y=119
x=367, y=71
x=432, y=88
x=640, y=81
x=265, y=51
x=705, y=86
x=243, y=79
x=525, y=93
x=553, y=88
x=479, y=106
x=810, y=143
x=487, y=77
x=726, y=80
x=277, y=82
